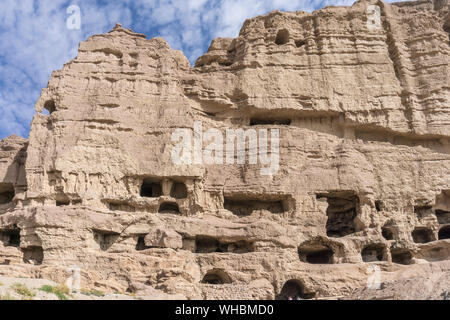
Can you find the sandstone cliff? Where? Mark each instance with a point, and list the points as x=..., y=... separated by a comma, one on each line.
x=364, y=174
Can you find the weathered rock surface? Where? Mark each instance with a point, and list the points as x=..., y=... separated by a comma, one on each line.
x=364, y=161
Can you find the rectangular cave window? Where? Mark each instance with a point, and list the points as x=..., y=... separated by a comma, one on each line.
x=422, y=235
x=10, y=236
x=444, y=232
x=178, y=191
x=33, y=255
x=374, y=252
x=208, y=245
x=343, y=207
x=265, y=122
x=315, y=253
x=442, y=216
x=204, y=244
x=169, y=207
x=245, y=207
x=401, y=256
x=121, y=206
x=151, y=189
x=7, y=193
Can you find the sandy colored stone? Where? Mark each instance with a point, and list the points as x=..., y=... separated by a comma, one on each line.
x=363, y=181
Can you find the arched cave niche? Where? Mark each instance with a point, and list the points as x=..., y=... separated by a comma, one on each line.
x=294, y=290
x=374, y=252
x=169, y=207
x=216, y=276
x=178, y=191
x=282, y=37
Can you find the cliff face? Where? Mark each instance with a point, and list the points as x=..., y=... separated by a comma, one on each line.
x=362, y=183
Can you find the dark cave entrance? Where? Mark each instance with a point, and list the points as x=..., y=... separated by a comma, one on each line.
x=294, y=290
x=342, y=210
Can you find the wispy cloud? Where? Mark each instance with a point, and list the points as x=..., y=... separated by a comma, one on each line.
x=34, y=39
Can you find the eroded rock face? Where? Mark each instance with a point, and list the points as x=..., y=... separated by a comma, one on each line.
x=364, y=160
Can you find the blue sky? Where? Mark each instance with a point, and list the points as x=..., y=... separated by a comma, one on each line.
x=35, y=40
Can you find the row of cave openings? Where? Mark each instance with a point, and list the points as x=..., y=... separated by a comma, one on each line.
x=292, y=289
x=283, y=37
x=343, y=208
x=197, y=244
x=155, y=188
x=321, y=253
x=149, y=188
x=10, y=237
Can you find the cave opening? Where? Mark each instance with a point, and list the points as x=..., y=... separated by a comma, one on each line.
x=315, y=253
x=387, y=232
x=33, y=255
x=294, y=290
x=169, y=207
x=422, y=235
x=209, y=245
x=373, y=252
x=62, y=202
x=444, y=232
x=245, y=207
x=50, y=106
x=266, y=122
x=150, y=189
x=282, y=37
x=105, y=239
x=378, y=205
x=10, y=236
x=7, y=193
x=178, y=191
x=216, y=277
x=300, y=43
x=140, y=244
x=204, y=244
x=401, y=256
x=341, y=212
